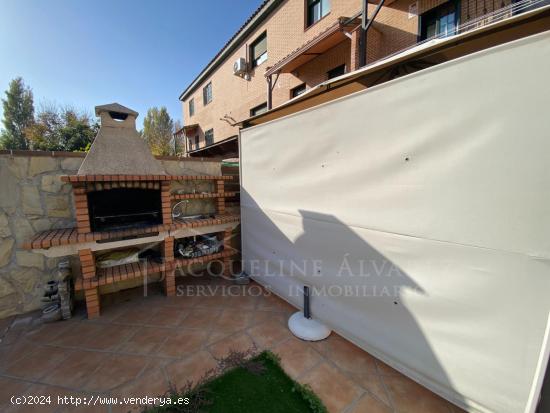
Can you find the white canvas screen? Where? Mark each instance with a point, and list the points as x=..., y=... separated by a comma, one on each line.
x=418, y=212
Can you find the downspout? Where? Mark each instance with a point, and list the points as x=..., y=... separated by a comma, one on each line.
x=269, y=81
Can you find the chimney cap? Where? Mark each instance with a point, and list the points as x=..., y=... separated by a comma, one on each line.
x=115, y=107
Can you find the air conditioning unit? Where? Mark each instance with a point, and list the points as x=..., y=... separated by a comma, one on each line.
x=239, y=67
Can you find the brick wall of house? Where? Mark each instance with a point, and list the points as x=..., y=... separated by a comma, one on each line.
x=235, y=96
x=394, y=29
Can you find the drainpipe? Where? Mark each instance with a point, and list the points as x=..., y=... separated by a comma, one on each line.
x=366, y=23
x=363, y=35
x=269, y=91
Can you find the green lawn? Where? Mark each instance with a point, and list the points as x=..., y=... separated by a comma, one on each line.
x=243, y=391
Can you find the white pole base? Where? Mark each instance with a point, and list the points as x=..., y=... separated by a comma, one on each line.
x=306, y=328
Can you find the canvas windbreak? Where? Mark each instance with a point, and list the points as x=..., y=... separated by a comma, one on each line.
x=418, y=213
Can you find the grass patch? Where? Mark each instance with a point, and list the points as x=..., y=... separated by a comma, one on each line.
x=256, y=385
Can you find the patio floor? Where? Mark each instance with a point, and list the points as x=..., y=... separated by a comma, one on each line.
x=141, y=344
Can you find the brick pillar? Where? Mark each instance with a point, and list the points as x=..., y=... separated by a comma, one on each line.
x=169, y=281
x=166, y=202
x=220, y=190
x=82, y=213
x=87, y=263
x=92, y=302
x=354, y=62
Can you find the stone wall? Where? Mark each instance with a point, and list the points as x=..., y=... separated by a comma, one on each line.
x=33, y=199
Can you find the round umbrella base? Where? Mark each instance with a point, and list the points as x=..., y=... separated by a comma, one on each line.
x=307, y=328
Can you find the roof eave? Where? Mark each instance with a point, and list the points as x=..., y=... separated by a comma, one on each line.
x=234, y=43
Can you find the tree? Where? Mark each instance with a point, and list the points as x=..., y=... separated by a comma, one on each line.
x=61, y=129
x=18, y=115
x=157, y=131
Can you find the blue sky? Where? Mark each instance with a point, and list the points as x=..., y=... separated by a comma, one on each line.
x=89, y=52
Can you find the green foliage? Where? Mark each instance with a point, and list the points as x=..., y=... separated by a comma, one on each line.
x=158, y=128
x=61, y=129
x=315, y=404
x=243, y=389
x=18, y=115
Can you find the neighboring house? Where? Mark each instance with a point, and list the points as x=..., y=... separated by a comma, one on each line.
x=289, y=46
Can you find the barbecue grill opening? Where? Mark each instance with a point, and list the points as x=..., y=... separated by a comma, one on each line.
x=124, y=208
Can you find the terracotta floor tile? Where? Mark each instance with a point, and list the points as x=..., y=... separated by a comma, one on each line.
x=151, y=383
x=9, y=388
x=297, y=357
x=239, y=299
x=115, y=370
x=263, y=316
x=74, y=371
x=212, y=301
x=231, y=320
x=76, y=333
x=269, y=333
x=409, y=397
x=191, y=369
x=272, y=302
x=347, y=356
x=47, y=333
x=181, y=343
x=139, y=315
x=385, y=370
x=37, y=364
x=369, y=404
x=335, y=390
x=372, y=383
x=145, y=340
x=216, y=336
x=13, y=352
x=203, y=318
x=168, y=316
x=109, y=337
x=237, y=342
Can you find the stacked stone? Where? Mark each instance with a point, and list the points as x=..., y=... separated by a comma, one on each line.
x=32, y=199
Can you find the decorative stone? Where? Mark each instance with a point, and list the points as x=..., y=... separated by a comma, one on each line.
x=40, y=164
x=30, y=259
x=22, y=230
x=9, y=187
x=6, y=288
x=18, y=166
x=71, y=164
x=52, y=183
x=27, y=281
x=6, y=247
x=4, y=225
x=58, y=206
x=41, y=224
x=30, y=197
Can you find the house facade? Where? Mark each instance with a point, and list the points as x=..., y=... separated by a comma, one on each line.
x=289, y=46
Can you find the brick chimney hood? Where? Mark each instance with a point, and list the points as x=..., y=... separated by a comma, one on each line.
x=118, y=149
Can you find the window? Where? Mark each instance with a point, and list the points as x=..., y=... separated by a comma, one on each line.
x=316, y=10
x=207, y=94
x=258, y=110
x=197, y=142
x=191, y=107
x=209, y=137
x=441, y=21
x=337, y=71
x=258, y=50
x=298, y=90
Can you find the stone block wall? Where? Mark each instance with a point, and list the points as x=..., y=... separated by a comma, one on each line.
x=34, y=199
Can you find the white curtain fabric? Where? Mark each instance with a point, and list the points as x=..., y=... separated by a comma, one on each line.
x=418, y=211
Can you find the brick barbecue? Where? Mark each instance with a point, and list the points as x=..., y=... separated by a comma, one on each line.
x=123, y=198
